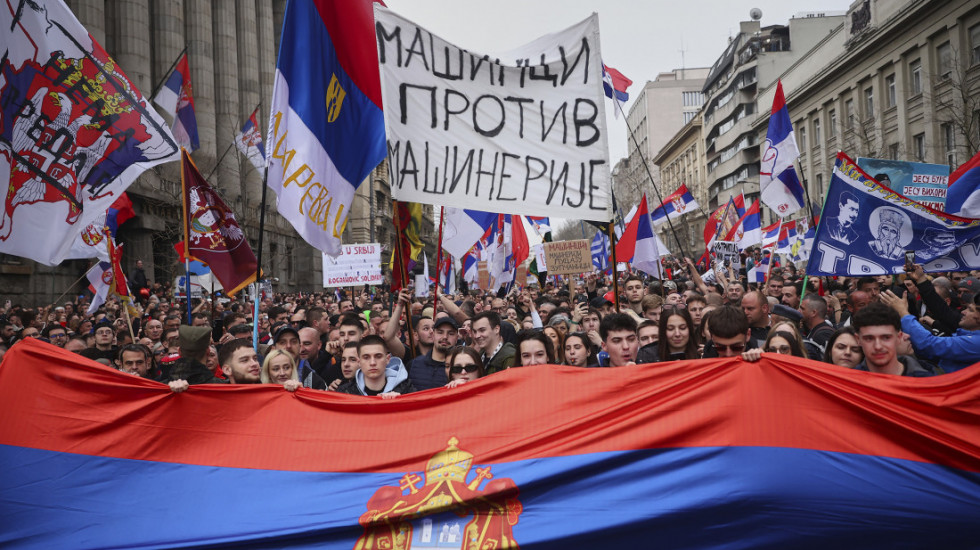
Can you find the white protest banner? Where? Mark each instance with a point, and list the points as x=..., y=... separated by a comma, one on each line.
x=520, y=134
x=358, y=264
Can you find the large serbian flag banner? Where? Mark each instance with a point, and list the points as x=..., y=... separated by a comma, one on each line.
x=783, y=453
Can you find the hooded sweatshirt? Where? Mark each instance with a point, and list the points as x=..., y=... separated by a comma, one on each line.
x=396, y=379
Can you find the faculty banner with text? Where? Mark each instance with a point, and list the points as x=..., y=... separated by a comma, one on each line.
x=523, y=133
x=783, y=453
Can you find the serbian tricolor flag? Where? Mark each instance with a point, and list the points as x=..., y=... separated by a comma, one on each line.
x=326, y=120
x=249, y=142
x=770, y=234
x=724, y=219
x=781, y=187
x=463, y=228
x=787, y=236
x=760, y=271
x=638, y=244
x=748, y=231
x=675, y=205
x=89, y=243
x=781, y=453
x=176, y=99
x=614, y=84
x=963, y=196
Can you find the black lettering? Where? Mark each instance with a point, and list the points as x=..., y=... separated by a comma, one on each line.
x=383, y=37
x=493, y=132
x=520, y=101
x=566, y=71
x=561, y=180
x=527, y=171
x=466, y=168
x=480, y=172
x=592, y=187
x=583, y=122
x=412, y=51
x=564, y=123
x=449, y=111
x=445, y=51
x=504, y=175
x=545, y=73
x=403, y=102
x=406, y=171
x=581, y=189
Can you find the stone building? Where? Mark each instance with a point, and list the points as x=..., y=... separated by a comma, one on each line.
x=895, y=80
x=681, y=161
x=231, y=47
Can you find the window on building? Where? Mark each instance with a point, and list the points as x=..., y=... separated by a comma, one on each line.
x=919, y=147
x=890, y=90
x=801, y=134
x=944, y=56
x=915, y=77
x=948, y=133
x=832, y=128
x=975, y=45
x=819, y=185
x=893, y=151
x=869, y=102
x=817, y=140
x=849, y=112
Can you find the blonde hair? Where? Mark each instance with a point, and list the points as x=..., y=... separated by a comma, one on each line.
x=264, y=375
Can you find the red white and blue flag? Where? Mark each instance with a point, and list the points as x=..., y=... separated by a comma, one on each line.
x=963, y=195
x=781, y=453
x=770, y=234
x=249, y=142
x=675, y=205
x=781, y=187
x=760, y=271
x=540, y=224
x=175, y=98
x=748, y=231
x=724, y=219
x=638, y=244
x=464, y=228
x=74, y=131
x=787, y=236
x=326, y=126
x=614, y=84
x=90, y=242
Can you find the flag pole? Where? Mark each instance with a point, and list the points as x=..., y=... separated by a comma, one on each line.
x=615, y=273
x=167, y=73
x=258, y=262
x=649, y=175
x=403, y=268
x=217, y=164
x=435, y=297
x=78, y=280
x=816, y=231
x=187, y=238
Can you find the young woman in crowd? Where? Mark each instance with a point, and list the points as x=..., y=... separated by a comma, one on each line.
x=677, y=341
x=785, y=343
x=534, y=347
x=843, y=349
x=557, y=341
x=279, y=367
x=579, y=351
x=464, y=365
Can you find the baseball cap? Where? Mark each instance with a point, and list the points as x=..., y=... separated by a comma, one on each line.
x=445, y=321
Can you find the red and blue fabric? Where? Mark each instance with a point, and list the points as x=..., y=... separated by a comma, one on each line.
x=748, y=232
x=614, y=84
x=638, y=244
x=782, y=453
x=464, y=228
x=674, y=206
x=249, y=142
x=963, y=195
x=176, y=98
x=781, y=187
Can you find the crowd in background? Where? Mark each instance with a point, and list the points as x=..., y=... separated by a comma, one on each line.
x=362, y=342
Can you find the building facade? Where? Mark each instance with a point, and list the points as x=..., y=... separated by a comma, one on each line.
x=753, y=60
x=681, y=161
x=231, y=47
x=661, y=108
x=902, y=83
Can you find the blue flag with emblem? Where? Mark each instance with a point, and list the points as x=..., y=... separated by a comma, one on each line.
x=867, y=229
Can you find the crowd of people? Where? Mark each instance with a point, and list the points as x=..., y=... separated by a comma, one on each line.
x=388, y=344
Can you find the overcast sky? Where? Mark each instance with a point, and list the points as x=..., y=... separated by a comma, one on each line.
x=641, y=38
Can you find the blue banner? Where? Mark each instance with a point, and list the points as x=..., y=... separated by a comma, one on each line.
x=867, y=228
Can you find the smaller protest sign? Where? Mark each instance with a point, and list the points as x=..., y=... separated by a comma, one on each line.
x=726, y=254
x=358, y=264
x=483, y=281
x=919, y=181
x=568, y=257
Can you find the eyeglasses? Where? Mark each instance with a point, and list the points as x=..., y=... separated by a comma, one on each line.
x=734, y=348
x=456, y=369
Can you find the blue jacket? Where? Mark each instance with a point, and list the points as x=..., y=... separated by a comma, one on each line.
x=427, y=373
x=396, y=379
x=952, y=353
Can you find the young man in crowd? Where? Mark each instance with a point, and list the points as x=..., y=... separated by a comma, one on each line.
x=379, y=374
x=429, y=371
x=730, y=333
x=239, y=362
x=619, y=340
x=755, y=305
x=497, y=354
x=634, y=293
x=879, y=331
x=648, y=334
x=951, y=353
x=818, y=329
